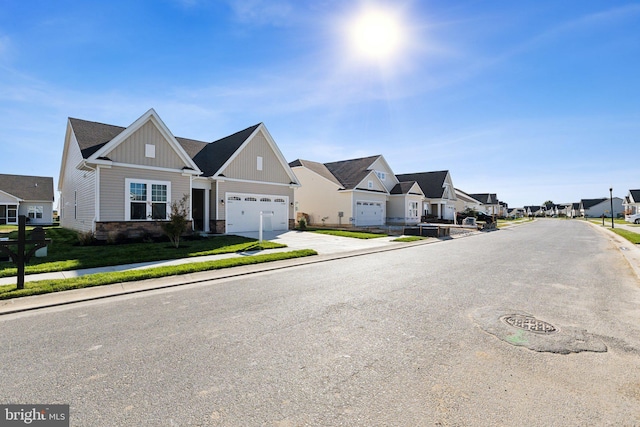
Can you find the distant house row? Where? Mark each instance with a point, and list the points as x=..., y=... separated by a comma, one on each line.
x=123, y=180
x=117, y=179
x=365, y=192
x=588, y=208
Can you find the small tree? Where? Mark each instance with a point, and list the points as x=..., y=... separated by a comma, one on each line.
x=177, y=224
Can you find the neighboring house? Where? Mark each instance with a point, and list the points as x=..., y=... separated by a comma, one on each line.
x=534, y=211
x=358, y=192
x=515, y=213
x=464, y=201
x=490, y=202
x=31, y=196
x=575, y=209
x=117, y=180
x=439, y=193
x=595, y=208
x=631, y=203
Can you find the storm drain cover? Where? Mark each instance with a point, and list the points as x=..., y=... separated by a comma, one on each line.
x=529, y=323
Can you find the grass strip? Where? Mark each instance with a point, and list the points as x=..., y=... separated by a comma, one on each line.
x=100, y=279
x=409, y=239
x=352, y=234
x=629, y=235
x=64, y=254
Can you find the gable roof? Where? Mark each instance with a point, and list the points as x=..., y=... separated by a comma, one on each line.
x=486, y=198
x=207, y=157
x=461, y=194
x=589, y=203
x=27, y=187
x=635, y=195
x=431, y=183
x=404, y=187
x=316, y=167
x=212, y=156
x=92, y=136
x=351, y=172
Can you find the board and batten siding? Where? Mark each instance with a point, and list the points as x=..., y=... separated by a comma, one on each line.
x=225, y=187
x=245, y=165
x=133, y=149
x=78, y=188
x=112, y=188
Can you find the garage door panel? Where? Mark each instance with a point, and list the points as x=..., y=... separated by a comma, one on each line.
x=369, y=213
x=243, y=212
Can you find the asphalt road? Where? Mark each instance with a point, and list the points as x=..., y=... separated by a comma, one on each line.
x=423, y=336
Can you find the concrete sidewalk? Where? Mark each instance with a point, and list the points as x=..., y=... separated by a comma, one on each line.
x=295, y=240
x=328, y=248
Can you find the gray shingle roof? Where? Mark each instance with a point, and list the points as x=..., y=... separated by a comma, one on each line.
x=351, y=172
x=589, y=203
x=27, y=187
x=209, y=157
x=484, y=198
x=635, y=194
x=431, y=183
x=403, y=187
x=92, y=136
x=215, y=154
x=316, y=167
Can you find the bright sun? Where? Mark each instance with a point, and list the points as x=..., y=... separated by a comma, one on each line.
x=376, y=34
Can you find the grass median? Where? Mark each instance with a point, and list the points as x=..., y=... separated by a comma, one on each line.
x=100, y=279
x=352, y=234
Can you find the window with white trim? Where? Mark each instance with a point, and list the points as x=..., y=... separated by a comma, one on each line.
x=35, y=212
x=147, y=200
x=381, y=175
x=413, y=209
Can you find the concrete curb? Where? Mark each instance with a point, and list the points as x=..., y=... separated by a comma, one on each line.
x=54, y=299
x=629, y=251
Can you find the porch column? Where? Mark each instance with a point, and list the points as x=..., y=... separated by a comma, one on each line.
x=205, y=219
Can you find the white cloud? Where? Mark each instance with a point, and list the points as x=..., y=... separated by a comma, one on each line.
x=262, y=12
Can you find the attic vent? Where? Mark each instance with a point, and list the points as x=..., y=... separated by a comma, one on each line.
x=150, y=151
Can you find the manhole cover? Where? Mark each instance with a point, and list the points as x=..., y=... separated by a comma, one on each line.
x=529, y=323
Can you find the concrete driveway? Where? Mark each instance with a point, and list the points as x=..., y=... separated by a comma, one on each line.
x=322, y=243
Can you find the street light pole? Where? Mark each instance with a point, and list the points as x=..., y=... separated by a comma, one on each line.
x=611, y=198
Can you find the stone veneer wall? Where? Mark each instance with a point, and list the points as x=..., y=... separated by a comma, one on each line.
x=130, y=229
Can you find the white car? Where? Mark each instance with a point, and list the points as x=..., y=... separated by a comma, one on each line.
x=633, y=218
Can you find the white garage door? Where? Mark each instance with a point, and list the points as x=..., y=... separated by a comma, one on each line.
x=243, y=212
x=369, y=213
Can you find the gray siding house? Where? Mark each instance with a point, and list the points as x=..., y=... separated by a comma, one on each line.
x=31, y=196
x=122, y=180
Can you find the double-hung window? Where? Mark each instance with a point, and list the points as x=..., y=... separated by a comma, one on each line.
x=147, y=200
x=35, y=212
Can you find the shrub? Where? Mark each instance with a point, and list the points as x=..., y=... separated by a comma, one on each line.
x=87, y=238
x=177, y=223
x=302, y=224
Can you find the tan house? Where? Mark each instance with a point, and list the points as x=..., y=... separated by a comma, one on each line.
x=360, y=192
x=123, y=179
x=439, y=200
x=31, y=196
x=464, y=201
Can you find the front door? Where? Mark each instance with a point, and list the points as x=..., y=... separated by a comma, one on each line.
x=197, y=206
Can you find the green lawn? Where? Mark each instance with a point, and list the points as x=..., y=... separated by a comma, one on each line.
x=100, y=279
x=353, y=234
x=629, y=235
x=64, y=253
x=409, y=239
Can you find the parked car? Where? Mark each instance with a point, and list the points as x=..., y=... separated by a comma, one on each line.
x=635, y=219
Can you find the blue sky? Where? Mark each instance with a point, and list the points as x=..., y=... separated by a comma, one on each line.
x=532, y=100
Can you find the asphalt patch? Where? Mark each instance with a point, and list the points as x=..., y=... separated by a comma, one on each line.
x=536, y=334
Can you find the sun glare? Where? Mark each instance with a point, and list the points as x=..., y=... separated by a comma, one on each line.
x=376, y=34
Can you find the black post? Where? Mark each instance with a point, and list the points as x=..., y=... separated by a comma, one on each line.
x=22, y=225
x=611, y=198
